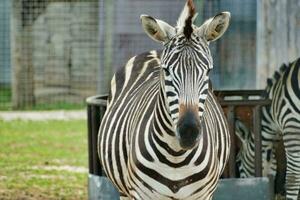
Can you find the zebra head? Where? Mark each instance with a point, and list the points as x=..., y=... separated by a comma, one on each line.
x=186, y=62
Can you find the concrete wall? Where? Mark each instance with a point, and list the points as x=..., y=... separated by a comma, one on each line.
x=278, y=36
x=65, y=51
x=55, y=47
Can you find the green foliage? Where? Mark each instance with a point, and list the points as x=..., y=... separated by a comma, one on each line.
x=35, y=155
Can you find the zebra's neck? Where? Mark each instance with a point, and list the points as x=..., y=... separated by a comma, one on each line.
x=163, y=129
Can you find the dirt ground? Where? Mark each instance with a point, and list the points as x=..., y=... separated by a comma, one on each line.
x=43, y=115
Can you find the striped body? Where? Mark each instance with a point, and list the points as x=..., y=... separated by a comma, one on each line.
x=280, y=124
x=137, y=132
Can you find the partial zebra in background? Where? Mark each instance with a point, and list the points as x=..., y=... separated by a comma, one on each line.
x=164, y=135
x=280, y=124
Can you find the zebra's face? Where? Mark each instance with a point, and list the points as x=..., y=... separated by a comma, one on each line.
x=186, y=62
x=185, y=77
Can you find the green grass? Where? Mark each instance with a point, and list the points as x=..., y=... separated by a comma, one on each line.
x=6, y=103
x=28, y=149
x=5, y=98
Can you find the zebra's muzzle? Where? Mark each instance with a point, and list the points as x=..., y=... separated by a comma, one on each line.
x=188, y=130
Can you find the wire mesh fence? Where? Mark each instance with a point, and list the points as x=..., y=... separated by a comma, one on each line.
x=234, y=54
x=5, y=70
x=55, y=53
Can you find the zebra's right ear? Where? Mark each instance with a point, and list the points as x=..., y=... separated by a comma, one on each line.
x=158, y=30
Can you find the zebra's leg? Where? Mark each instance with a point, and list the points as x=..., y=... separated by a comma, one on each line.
x=292, y=173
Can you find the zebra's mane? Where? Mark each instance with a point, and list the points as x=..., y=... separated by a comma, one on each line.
x=275, y=78
x=186, y=19
x=188, y=29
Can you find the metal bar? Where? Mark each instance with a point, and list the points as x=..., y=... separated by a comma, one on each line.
x=96, y=108
x=98, y=100
x=231, y=122
x=238, y=92
x=257, y=140
x=95, y=128
x=90, y=146
x=244, y=102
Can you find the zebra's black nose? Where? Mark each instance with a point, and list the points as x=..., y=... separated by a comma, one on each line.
x=188, y=130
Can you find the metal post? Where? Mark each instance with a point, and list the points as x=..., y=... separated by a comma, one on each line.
x=231, y=123
x=90, y=146
x=95, y=110
x=257, y=140
x=95, y=128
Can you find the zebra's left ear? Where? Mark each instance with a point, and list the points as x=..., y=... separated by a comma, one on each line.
x=158, y=30
x=215, y=27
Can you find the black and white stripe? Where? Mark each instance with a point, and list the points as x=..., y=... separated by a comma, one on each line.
x=280, y=122
x=164, y=136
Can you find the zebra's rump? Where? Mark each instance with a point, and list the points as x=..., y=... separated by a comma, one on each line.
x=280, y=132
x=285, y=87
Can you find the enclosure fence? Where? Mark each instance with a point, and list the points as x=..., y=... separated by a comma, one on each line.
x=55, y=53
x=52, y=53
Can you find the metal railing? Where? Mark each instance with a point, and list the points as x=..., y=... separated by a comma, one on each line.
x=96, y=106
x=243, y=104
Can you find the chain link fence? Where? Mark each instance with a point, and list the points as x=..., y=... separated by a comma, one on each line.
x=5, y=69
x=55, y=53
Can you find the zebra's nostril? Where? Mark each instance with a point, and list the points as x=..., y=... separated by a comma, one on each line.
x=188, y=130
x=188, y=135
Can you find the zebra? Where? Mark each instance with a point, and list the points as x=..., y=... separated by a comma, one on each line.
x=280, y=131
x=164, y=135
